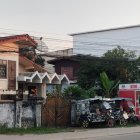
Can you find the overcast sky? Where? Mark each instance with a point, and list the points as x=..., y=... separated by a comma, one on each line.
x=68, y=16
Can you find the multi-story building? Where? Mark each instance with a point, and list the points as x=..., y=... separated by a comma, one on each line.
x=98, y=42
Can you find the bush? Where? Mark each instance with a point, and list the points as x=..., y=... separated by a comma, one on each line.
x=79, y=93
x=74, y=92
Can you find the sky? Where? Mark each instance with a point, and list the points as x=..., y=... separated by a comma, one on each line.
x=67, y=16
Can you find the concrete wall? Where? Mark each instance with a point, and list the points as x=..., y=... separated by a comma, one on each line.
x=7, y=114
x=97, y=43
x=9, y=56
x=18, y=114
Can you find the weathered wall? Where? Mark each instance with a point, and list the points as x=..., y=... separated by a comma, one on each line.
x=19, y=114
x=7, y=114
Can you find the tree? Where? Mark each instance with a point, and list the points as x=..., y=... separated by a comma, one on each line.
x=128, y=71
x=107, y=85
x=30, y=53
x=89, y=72
x=39, y=60
x=75, y=92
x=119, y=53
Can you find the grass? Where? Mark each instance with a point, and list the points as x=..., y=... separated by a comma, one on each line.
x=22, y=131
x=48, y=130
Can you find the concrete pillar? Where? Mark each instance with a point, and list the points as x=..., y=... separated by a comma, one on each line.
x=38, y=114
x=18, y=113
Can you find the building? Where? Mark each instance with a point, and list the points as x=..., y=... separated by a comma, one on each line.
x=98, y=42
x=68, y=65
x=18, y=73
x=23, y=83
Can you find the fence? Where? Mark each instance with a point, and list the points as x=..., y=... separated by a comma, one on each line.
x=56, y=112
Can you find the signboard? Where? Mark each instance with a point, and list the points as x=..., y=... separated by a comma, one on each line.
x=133, y=86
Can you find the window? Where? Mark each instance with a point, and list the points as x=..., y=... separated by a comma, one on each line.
x=3, y=69
x=139, y=99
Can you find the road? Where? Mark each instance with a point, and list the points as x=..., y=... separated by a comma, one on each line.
x=132, y=133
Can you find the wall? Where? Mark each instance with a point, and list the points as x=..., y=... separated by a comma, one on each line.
x=98, y=43
x=9, y=56
x=22, y=69
x=67, y=63
x=7, y=114
x=52, y=43
x=20, y=114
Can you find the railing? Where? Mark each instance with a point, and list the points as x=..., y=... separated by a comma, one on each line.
x=11, y=95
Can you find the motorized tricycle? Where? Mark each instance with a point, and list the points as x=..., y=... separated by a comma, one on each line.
x=93, y=110
x=122, y=110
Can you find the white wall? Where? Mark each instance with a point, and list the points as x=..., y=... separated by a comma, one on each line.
x=13, y=57
x=52, y=43
x=98, y=43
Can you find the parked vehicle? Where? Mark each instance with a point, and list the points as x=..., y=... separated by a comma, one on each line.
x=122, y=110
x=131, y=91
x=93, y=110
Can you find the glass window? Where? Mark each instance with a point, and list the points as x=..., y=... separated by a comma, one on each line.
x=3, y=69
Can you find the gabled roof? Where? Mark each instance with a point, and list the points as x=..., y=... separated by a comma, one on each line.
x=24, y=39
x=26, y=62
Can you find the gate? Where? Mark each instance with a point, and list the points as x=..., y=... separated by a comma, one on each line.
x=56, y=112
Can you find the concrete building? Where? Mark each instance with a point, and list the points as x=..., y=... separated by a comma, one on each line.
x=98, y=42
x=23, y=83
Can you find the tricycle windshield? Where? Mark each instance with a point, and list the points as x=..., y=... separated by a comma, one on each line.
x=106, y=105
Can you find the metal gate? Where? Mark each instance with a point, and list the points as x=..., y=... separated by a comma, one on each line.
x=56, y=112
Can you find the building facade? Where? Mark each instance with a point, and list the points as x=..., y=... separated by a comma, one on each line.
x=98, y=42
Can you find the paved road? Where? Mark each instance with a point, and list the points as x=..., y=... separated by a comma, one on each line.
x=132, y=133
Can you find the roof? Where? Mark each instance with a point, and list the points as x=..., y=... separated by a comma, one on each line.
x=24, y=39
x=26, y=62
x=79, y=57
x=120, y=99
x=104, y=30
x=71, y=58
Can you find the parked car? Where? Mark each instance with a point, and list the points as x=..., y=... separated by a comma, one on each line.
x=92, y=110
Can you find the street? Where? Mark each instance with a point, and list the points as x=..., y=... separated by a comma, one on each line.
x=82, y=134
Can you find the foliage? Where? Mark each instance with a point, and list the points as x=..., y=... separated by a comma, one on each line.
x=30, y=53
x=77, y=92
x=107, y=85
x=89, y=73
x=118, y=68
x=73, y=92
x=119, y=53
x=40, y=61
x=92, y=92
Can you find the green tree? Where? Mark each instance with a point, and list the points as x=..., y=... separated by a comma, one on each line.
x=39, y=60
x=128, y=70
x=30, y=53
x=89, y=72
x=120, y=53
x=107, y=85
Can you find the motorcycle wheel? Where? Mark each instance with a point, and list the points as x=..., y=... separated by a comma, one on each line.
x=123, y=122
x=84, y=123
x=110, y=123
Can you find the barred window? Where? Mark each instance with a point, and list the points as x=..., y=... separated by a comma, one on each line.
x=3, y=69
